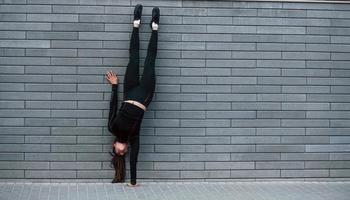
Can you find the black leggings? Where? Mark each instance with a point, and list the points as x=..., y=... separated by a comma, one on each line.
x=141, y=91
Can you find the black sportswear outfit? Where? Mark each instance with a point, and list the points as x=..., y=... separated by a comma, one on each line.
x=125, y=124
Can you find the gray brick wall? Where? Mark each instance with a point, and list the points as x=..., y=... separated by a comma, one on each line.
x=245, y=90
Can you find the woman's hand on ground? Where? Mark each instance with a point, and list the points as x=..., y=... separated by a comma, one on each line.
x=111, y=77
x=131, y=185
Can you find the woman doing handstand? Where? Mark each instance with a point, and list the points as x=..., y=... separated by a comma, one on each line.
x=125, y=124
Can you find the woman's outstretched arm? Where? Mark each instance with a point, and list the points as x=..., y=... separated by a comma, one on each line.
x=113, y=103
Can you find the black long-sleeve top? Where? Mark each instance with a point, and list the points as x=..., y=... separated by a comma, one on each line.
x=126, y=123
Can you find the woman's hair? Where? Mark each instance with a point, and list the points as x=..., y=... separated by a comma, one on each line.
x=118, y=162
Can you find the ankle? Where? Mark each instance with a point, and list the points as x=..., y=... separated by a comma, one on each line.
x=154, y=26
x=136, y=23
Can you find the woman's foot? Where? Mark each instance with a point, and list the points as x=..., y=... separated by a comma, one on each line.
x=155, y=18
x=137, y=15
x=111, y=77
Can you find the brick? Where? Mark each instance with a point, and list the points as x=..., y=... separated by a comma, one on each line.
x=12, y=122
x=24, y=148
x=255, y=105
x=231, y=29
x=205, y=157
x=77, y=96
x=205, y=140
x=180, y=114
x=179, y=165
x=77, y=9
x=25, y=43
x=304, y=139
x=12, y=34
x=24, y=131
x=304, y=173
x=231, y=12
x=327, y=148
x=229, y=165
x=53, y=35
x=255, y=156
x=25, y=8
x=327, y=131
x=205, y=174
x=306, y=89
x=12, y=174
x=75, y=165
x=255, y=122
x=339, y=173
x=11, y=87
x=231, y=97
x=230, y=148
x=304, y=123
x=326, y=164
x=255, y=139
x=256, y=72
x=279, y=148
x=11, y=104
x=76, y=131
x=24, y=61
x=205, y=123
x=255, y=173
x=280, y=114
x=282, y=12
x=179, y=148
x=50, y=87
x=49, y=122
x=11, y=156
x=339, y=123
x=205, y=106
x=50, y=174
x=230, y=131
x=328, y=97
x=339, y=156
x=75, y=44
x=281, y=63
x=50, y=139
x=104, y=2
x=304, y=156
x=75, y=148
x=281, y=131
x=230, y=114
x=23, y=165
x=158, y=157
x=339, y=106
x=77, y=27
x=12, y=69
x=339, y=139
x=50, y=156
x=281, y=97
x=52, y=17
x=208, y=37
x=49, y=70
x=280, y=30
x=23, y=26
x=328, y=114
x=11, y=139
x=279, y=165
x=180, y=131
x=51, y=104
x=255, y=55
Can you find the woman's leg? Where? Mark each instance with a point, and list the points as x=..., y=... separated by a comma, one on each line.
x=134, y=152
x=131, y=78
x=148, y=77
